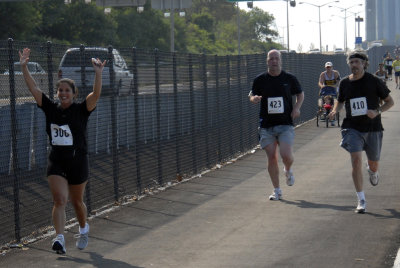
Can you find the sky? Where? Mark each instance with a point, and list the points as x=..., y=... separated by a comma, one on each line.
x=304, y=22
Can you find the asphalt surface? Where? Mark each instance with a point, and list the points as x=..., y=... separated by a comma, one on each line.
x=224, y=217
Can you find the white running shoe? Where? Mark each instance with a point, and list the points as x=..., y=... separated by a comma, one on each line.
x=276, y=195
x=83, y=239
x=361, y=207
x=289, y=177
x=59, y=245
x=373, y=177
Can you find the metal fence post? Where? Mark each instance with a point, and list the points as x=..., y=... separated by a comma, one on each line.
x=137, y=122
x=82, y=59
x=248, y=105
x=217, y=103
x=50, y=70
x=229, y=100
x=176, y=115
x=114, y=125
x=192, y=115
x=16, y=183
x=206, y=131
x=241, y=103
x=158, y=116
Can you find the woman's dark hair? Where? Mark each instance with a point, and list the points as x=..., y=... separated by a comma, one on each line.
x=70, y=82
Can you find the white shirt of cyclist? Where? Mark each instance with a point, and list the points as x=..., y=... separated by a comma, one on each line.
x=275, y=105
x=61, y=135
x=358, y=106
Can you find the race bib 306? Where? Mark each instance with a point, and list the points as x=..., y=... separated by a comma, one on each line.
x=61, y=135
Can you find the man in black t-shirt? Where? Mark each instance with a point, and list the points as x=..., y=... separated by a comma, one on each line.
x=360, y=94
x=274, y=90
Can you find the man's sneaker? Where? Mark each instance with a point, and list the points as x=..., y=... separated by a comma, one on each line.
x=373, y=177
x=59, y=245
x=361, y=207
x=276, y=195
x=289, y=177
x=83, y=240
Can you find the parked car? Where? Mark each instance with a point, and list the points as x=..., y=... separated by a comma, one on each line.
x=339, y=51
x=314, y=51
x=72, y=67
x=285, y=51
x=375, y=44
x=33, y=67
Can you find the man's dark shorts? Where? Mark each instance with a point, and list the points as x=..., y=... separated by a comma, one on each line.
x=370, y=142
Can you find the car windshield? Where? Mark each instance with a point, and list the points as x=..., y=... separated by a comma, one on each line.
x=73, y=58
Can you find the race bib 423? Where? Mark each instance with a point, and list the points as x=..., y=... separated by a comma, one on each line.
x=275, y=105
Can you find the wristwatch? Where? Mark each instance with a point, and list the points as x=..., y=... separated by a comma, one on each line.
x=250, y=94
x=379, y=110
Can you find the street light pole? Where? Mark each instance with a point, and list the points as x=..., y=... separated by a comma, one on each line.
x=287, y=24
x=172, y=40
x=345, y=22
x=291, y=2
x=238, y=25
x=319, y=18
x=320, y=34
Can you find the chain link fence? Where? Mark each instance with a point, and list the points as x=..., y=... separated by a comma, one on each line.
x=162, y=117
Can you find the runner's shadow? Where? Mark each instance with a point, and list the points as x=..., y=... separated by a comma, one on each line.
x=394, y=214
x=98, y=261
x=307, y=204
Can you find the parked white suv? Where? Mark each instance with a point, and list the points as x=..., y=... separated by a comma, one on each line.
x=71, y=67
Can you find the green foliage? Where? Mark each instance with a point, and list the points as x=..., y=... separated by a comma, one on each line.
x=18, y=20
x=210, y=26
x=143, y=30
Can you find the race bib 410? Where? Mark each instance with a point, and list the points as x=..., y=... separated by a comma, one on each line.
x=358, y=106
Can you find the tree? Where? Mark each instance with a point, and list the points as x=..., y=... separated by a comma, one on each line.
x=135, y=29
x=300, y=48
x=260, y=23
x=18, y=20
x=76, y=23
x=210, y=26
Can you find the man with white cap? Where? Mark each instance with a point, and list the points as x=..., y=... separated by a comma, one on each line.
x=328, y=80
x=328, y=84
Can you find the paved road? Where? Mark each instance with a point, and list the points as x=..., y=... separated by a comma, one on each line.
x=223, y=218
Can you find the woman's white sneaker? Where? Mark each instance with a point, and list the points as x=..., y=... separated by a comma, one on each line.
x=59, y=245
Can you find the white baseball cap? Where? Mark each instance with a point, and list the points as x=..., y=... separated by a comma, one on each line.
x=328, y=64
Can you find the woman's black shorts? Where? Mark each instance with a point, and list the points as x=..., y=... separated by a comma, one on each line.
x=71, y=165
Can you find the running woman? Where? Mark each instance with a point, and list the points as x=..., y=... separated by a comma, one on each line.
x=68, y=165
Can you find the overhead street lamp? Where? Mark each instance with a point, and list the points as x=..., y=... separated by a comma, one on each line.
x=357, y=20
x=345, y=22
x=319, y=18
x=292, y=3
